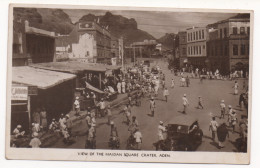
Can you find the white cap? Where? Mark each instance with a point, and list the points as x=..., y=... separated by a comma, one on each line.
x=35, y=134
x=229, y=106
x=161, y=122
x=67, y=115
x=77, y=97
x=184, y=95
x=112, y=123
x=19, y=126
x=33, y=124
x=152, y=97
x=222, y=101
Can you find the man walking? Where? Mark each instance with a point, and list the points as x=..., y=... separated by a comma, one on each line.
x=185, y=103
x=200, y=103
x=77, y=106
x=161, y=130
x=172, y=85
x=213, y=127
x=152, y=106
x=166, y=94
x=222, y=109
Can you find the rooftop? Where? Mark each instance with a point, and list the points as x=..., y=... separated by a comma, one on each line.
x=43, y=79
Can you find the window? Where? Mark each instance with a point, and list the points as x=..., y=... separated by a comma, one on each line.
x=247, y=51
x=199, y=49
x=188, y=36
x=234, y=30
x=202, y=34
x=242, y=30
x=184, y=51
x=204, y=47
x=225, y=32
x=243, y=49
x=216, y=50
x=220, y=33
x=248, y=30
x=196, y=35
x=235, y=49
x=191, y=52
x=221, y=50
x=194, y=38
x=226, y=50
x=199, y=34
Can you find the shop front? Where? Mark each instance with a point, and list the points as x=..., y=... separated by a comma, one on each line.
x=35, y=91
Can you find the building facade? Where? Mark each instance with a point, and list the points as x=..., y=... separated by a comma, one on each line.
x=196, y=46
x=31, y=45
x=183, y=48
x=228, y=45
x=90, y=41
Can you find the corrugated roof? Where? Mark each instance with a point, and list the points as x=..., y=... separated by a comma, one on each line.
x=43, y=79
x=70, y=66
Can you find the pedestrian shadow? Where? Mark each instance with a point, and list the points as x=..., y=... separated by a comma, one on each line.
x=215, y=144
x=181, y=112
x=150, y=115
x=207, y=137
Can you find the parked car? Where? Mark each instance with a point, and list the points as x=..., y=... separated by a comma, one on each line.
x=183, y=134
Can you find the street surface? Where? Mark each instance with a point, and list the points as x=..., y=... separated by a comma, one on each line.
x=211, y=91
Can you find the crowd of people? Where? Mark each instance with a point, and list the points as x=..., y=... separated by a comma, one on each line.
x=147, y=84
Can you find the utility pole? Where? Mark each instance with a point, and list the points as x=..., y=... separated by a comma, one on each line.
x=134, y=55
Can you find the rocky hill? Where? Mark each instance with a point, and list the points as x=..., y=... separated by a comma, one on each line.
x=58, y=21
x=48, y=19
x=120, y=26
x=168, y=40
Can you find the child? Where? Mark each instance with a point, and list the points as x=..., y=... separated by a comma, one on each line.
x=200, y=103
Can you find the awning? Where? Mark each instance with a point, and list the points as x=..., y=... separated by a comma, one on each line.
x=70, y=67
x=43, y=79
x=89, y=86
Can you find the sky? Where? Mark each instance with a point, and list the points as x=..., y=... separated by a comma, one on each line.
x=158, y=23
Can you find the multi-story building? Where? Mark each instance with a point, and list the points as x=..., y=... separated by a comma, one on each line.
x=183, y=48
x=115, y=48
x=90, y=40
x=228, y=45
x=196, y=46
x=31, y=45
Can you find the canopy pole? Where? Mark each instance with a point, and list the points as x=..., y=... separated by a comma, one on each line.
x=99, y=80
x=29, y=111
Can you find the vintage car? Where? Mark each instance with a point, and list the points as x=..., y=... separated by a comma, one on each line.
x=183, y=134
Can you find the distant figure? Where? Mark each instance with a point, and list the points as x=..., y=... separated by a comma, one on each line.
x=35, y=141
x=213, y=127
x=222, y=109
x=172, y=83
x=235, y=88
x=200, y=102
x=222, y=133
x=185, y=103
x=77, y=106
x=138, y=138
x=166, y=94
x=187, y=81
x=152, y=106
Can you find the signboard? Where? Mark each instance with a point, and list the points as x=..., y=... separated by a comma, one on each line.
x=32, y=90
x=19, y=93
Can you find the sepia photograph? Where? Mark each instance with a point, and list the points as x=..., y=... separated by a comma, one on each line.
x=129, y=84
